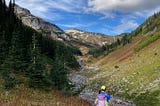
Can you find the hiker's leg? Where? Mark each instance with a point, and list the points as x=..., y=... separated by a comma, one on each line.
x=106, y=103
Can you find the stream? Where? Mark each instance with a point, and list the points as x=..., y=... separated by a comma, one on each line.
x=85, y=93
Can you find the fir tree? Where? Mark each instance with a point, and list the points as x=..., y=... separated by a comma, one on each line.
x=38, y=78
x=12, y=64
x=3, y=47
x=59, y=74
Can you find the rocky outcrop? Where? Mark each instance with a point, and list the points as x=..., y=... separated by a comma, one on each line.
x=94, y=39
x=85, y=40
x=46, y=28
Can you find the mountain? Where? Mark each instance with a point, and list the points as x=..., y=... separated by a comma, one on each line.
x=94, y=39
x=46, y=28
x=132, y=70
x=85, y=40
x=29, y=60
x=82, y=39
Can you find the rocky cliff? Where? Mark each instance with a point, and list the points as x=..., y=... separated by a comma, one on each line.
x=46, y=28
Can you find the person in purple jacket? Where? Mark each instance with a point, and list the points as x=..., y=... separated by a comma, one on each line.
x=103, y=98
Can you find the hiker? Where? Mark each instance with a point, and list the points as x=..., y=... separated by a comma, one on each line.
x=109, y=97
x=103, y=98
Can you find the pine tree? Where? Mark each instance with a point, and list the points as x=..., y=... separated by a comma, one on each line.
x=12, y=64
x=59, y=74
x=3, y=47
x=38, y=78
x=1, y=8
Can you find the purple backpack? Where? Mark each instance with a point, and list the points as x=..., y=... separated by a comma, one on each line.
x=101, y=100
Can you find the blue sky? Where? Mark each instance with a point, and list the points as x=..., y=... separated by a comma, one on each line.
x=109, y=17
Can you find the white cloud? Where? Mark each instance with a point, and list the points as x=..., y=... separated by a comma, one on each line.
x=125, y=6
x=73, y=6
x=46, y=8
x=76, y=25
x=125, y=25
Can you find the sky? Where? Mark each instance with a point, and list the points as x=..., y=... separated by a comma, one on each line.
x=110, y=17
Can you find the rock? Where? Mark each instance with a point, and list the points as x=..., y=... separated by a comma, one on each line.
x=46, y=28
x=89, y=95
x=78, y=81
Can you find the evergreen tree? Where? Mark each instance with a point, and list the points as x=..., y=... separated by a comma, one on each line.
x=12, y=64
x=3, y=47
x=1, y=8
x=17, y=57
x=36, y=70
x=59, y=75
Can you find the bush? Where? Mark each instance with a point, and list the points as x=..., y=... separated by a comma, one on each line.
x=116, y=67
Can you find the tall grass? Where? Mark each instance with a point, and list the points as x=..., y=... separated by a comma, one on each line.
x=22, y=96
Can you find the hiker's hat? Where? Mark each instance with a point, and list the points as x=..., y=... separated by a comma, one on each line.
x=103, y=87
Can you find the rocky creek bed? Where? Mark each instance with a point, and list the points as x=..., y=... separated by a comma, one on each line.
x=84, y=92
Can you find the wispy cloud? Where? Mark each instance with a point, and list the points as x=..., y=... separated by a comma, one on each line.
x=46, y=9
x=76, y=25
x=125, y=26
x=74, y=6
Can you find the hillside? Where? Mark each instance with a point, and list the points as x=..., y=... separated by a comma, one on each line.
x=39, y=24
x=130, y=72
x=30, y=59
x=38, y=70
x=86, y=40
x=82, y=39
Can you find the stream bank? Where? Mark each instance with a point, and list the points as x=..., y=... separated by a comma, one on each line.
x=80, y=82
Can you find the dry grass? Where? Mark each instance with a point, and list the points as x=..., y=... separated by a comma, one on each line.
x=22, y=96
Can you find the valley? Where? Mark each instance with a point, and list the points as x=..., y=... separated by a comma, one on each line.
x=68, y=67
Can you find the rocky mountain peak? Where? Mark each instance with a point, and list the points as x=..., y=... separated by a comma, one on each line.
x=46, y=28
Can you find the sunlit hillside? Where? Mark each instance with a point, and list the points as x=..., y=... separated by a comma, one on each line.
x=132, y=73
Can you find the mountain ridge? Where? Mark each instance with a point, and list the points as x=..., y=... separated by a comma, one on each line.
x=39, y=24
x=84, y=41
x=92, y=39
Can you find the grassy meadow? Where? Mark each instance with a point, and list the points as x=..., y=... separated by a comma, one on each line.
x=129, y=74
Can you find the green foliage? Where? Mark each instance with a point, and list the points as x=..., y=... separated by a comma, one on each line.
x=59, y=75
x=109, y=48
x=25, y=55
x=55, y=49
x=146, y=41
x=146, y=99
x=3, y=47
x=151, y=24
x=97, y=51
x=116, y=67
x=36, y=70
